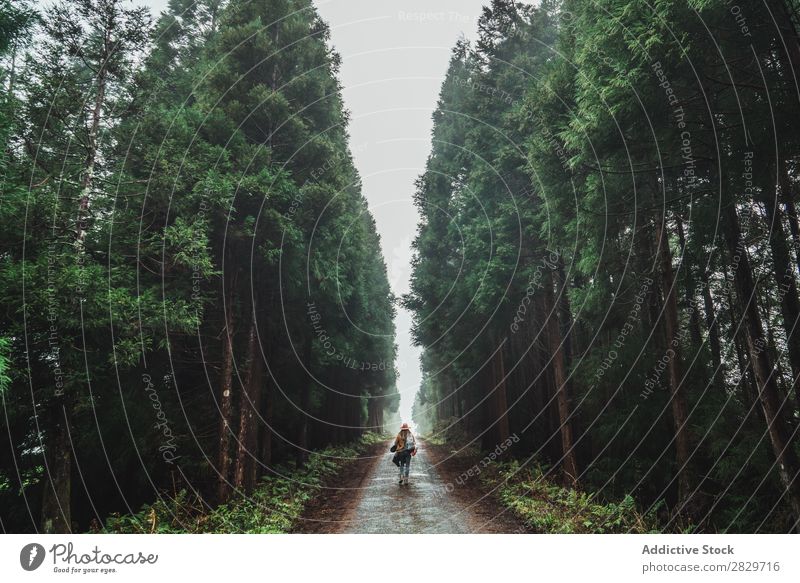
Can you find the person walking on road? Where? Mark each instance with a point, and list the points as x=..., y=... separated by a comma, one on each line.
x=405, y=447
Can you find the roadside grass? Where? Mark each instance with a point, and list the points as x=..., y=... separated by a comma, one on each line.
x=548, y=507
x=536, y=498
x=273, y=507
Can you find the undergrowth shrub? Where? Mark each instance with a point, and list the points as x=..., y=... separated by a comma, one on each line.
x=273, y=507
x=551, y=508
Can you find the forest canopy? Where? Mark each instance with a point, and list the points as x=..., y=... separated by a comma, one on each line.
x=195, y=308
x=190, y=278
x=607, y=260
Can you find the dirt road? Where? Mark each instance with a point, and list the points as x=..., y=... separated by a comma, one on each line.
x=368, y=499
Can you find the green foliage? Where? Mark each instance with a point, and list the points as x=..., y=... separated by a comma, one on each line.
x=161, y=181
x=16, y=18
x=594, y=149
x=273, y=507
x=549, y=508
x=5, y=361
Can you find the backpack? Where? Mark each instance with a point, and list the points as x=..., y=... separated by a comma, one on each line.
x=410, y=444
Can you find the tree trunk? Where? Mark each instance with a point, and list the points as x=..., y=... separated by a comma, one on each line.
x=565, y=319
x=265, y=429
x=305, y=400
x=471, y=418
x=672, y=340
x=225, y=431
x=787, y=195
x=784, y=277
x=373, y=414
x=56, y=501
x=747, y=380
x=56, y=498
x=451, y=390
x=499, y=398
x=556, y=348
x=794, y=228
x=771, y=404
x=689, y=288
x=246, y=453
x=539, y=384
x=713, y=331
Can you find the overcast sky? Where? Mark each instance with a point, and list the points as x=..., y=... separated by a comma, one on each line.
x=394, y=57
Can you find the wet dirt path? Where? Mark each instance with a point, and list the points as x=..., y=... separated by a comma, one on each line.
x=368, y=499
x=422, y=506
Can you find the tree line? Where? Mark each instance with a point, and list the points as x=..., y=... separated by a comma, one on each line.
x=608, y=259
x=192, y=286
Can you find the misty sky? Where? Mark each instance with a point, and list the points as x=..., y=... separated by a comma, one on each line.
x=394, y=57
